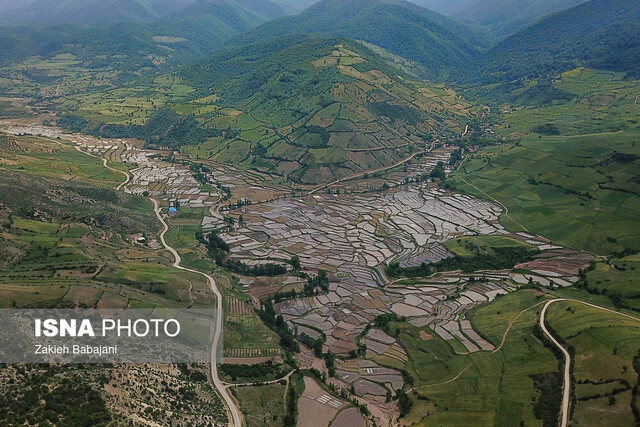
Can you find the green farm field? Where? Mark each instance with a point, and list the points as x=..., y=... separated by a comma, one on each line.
x=474, y=245
x=56, y=159
x=606, y=362
x=245, y=335
x=578, y=188
x=616, y=278
x=61, y=254
x=490, y=388
x=508, y=386
x=262, y=406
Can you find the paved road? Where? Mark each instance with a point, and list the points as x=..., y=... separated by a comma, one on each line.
x=566, y=388
x=230, y=403
x=219, y=321
x=566, y=391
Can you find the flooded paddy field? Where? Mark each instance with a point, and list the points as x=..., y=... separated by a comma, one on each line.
x=352, y=234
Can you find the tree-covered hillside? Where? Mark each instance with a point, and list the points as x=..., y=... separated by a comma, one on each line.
x=505, y=17
x=310, y=108
x=441, y=6
x=177, y=38
x=89, y=12
x=319, y=109
x=295, y=6
x=438, y=43
x=601, y=34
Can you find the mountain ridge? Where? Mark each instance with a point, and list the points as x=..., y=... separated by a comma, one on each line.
x=435, y=41
x=177, y=38
x=91, y=12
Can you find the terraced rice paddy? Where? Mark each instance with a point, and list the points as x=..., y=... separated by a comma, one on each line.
x=352, y=235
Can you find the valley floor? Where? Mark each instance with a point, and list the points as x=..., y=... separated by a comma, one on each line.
x=352, y=235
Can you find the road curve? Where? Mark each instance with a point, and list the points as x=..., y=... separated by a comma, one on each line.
x=566, y=388
x=106, y=165
x=219, y=320
x=567, y=369
x=237, y=418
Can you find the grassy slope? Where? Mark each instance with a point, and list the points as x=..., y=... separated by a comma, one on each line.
x=617, y=279
x=66, y=238
x=364, y=113
x=578, y=188
x=474, y=245
x=262, y=405
x=496, y=389
x=605, y=346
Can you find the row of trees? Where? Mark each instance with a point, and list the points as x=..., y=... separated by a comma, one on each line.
x=502, y=258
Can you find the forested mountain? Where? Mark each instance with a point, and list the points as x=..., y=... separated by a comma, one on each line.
x=295, y=6
x=441, y=6
x=438, y=43
x=177, y=38
x=505, y=17
x=600, y=34
x=318, y=109
x=90, y=12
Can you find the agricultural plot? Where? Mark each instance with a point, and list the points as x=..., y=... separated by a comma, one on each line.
x=316, y=406
x=618, y=279
x=76, y=246
x=606, y=354
x=369, y=120
x=490, y=387
x=351, y=235
x=572, y=174
x=246, y=338
x=262, y=405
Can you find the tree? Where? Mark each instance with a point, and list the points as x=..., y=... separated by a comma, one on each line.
x=295, y=262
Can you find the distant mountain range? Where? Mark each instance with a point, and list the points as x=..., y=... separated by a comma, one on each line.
x=501, y=17
x=89, y=12
x=177, y=38
x=505, y=17
x=441, y=6
x=601, y=34
x=438, y=43
x=295, y=6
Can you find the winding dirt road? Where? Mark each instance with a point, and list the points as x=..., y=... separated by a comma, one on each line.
x=495, y=350
x=105, y=164
x=219, y=319
x=229, y=402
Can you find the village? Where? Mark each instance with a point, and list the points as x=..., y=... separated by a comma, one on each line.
x=352, y=232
